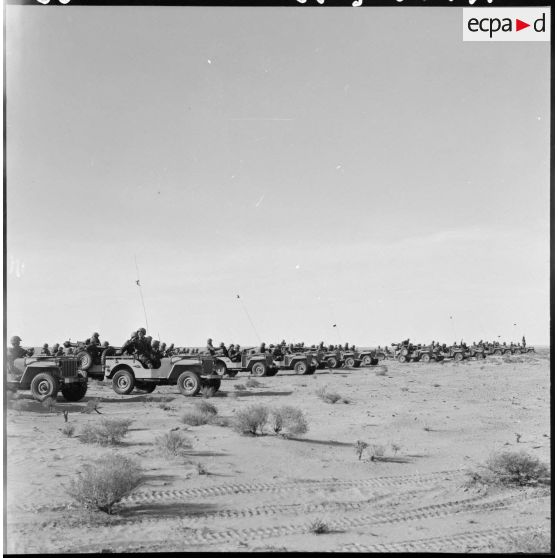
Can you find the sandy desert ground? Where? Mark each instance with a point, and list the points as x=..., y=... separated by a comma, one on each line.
x=434, y=421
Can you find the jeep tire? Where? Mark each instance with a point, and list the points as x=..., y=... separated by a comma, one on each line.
x=85, y=360
x=123, y=382
x=259, y=369
x=349, y=362
x=366, y=360
x=74, y=392
x=300, y=367
x=189, y=383
x=44, y=385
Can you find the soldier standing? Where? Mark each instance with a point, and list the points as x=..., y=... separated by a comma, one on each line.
x=45, y=350
x=210, y=348
x=523, y=341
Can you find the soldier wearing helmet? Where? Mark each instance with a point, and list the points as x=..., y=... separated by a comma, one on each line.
x=16, y=350
x=210, y=347
x=45, y=350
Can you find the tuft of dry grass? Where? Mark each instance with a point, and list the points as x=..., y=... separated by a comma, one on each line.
x=68, y=430
x=109, y=432
x=360, y=446
x=328, y=396
x=173, y=443
x=318, y=527
x=105, y=482
x=253, y=383
x=207, y=391
x=203, y=412
x=240, y=387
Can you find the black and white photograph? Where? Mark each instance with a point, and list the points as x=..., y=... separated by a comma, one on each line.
x=278, y=276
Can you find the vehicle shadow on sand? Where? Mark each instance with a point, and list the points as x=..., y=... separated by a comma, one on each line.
x=322, y=442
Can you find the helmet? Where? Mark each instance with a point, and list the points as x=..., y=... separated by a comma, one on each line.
x=210, y=340
x=15, y=339
x=142, y=330
x=105, y=343
x=155, y=343
x=66, y=344
x=95, y=335
x=45, y=346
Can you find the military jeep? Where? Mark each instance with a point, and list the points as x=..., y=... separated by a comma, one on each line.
x=301, y=363
x=369, y=357
x=258, y=364
x=189, y=373
x=45, y=376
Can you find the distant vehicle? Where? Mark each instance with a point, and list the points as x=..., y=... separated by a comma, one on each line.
x=415, y=354
x=189, y=373
x=258, y=364
x=45, y=376
x=369, y=357
x=453, y=353
x=301, y=363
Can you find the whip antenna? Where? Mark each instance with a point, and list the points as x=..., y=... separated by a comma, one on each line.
x=141, y=293
x=249, y=318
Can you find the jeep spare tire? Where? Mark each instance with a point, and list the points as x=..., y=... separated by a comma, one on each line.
x=85, y=360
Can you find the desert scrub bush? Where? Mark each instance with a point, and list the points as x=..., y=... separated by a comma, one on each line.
x=109, y=432
x=201, y=469
x=68, y=430
x=92, y=405
x=206, y=407
x=360, y=446
x=173, y=443
x=240, y=387
x=328, y=396
x=50, y=404
x=535, y=542
x=104, y=483
x=318, y=527
x=289, y=420
x=253, y=383
x=202, y=413
x=511, y=467
x=250, y=420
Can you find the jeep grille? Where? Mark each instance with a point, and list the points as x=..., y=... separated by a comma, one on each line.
x=207, y=366
x=68, y=368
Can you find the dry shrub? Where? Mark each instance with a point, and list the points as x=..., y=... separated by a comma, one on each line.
x=240, y=387
x=207, y=391
x=511, y=467
x=328, y=396
x=109, y=432
x=104, y=483
x=253, y=383
x=92, y=405
x=360, y=446
x=318, y=527
x=49, y=403
x=195, y=417
x=290, y=420
x=534, y=542
x=206, y=407
x=68, y=430
x=173, y=443
x=202, y=413
x=250, y=420
x=201, y=469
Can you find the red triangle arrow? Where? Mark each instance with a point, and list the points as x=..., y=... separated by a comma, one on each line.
x=519, y=25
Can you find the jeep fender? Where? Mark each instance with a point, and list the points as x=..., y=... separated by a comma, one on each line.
x=180, y=367
x=119, y=367
x=32, y=371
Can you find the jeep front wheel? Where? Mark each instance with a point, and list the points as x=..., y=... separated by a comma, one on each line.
x=366, y=360
x=189, y=383
x=44, y=385
x=301, y=367
x=458, y=356
x=402, y=358
x=220, y=368
x=74, y=392
x=123, y=382
x=259, y=369
x=425, y=357
x=331, y=362
x=349, y=362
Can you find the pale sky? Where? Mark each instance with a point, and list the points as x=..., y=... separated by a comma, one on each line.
x=362, y=167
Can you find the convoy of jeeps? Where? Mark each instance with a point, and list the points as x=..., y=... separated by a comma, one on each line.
x=47, y=375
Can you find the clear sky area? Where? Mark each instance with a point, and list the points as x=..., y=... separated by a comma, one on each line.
x=362, y=167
